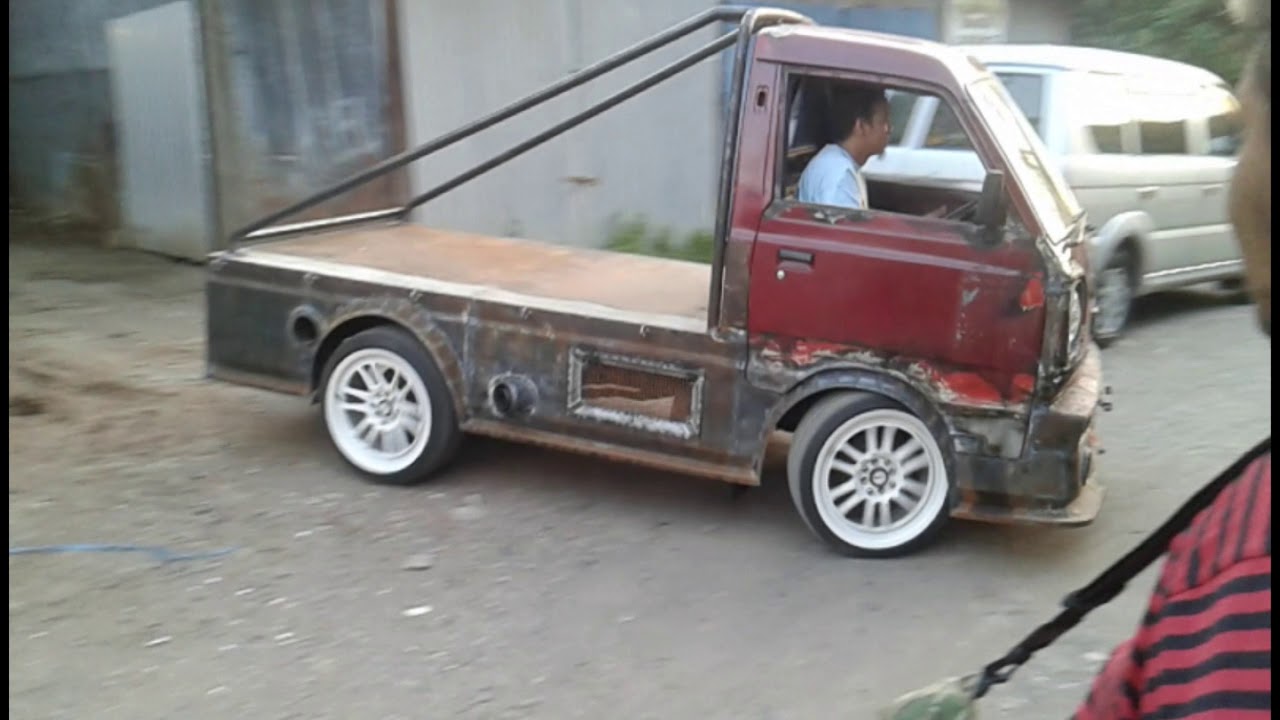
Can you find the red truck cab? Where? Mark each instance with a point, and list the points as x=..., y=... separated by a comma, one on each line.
x=925, y=367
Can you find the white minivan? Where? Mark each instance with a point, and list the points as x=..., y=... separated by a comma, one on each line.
x=1148, y=145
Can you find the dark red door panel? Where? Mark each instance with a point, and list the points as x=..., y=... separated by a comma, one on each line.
x=896, y=285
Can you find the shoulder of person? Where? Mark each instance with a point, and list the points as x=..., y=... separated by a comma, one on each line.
x=1235, y=529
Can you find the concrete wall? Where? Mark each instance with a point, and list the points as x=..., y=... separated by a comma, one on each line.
x=60, y=133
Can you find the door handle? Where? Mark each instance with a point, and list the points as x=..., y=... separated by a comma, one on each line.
x=1148, y=191
x=795, y=256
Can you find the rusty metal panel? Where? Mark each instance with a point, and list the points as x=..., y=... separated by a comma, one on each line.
x=641, y=394
x=157, y=94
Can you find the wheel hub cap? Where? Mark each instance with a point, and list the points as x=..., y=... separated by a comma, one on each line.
x=378, y=411
x=879, y=480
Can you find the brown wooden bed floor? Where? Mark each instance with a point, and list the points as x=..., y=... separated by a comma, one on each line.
x=624, y=282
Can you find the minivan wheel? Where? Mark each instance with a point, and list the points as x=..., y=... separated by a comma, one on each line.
x=1114, y=298
x=387, y=407
x=868, y=477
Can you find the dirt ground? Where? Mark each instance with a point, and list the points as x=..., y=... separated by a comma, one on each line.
x=525, y=583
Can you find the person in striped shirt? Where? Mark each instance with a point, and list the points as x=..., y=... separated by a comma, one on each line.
x=1203, y=649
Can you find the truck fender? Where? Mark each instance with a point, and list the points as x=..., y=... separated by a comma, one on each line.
x=358, y=315
x=1104, y=243
x=803, y=394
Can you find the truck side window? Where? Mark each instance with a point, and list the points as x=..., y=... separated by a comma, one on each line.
x=809, y=129
x=901, y=104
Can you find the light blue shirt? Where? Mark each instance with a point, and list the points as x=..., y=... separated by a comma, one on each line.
x=832, y=178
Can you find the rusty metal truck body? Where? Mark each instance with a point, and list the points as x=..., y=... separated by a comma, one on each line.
x=929, y=368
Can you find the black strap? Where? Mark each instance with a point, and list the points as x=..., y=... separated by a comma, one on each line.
x=1113, y=580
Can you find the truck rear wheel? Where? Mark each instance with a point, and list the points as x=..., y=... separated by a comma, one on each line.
x=387, y=407
x=868, y=477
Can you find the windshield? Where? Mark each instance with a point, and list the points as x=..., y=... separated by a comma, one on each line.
x=1050, y=198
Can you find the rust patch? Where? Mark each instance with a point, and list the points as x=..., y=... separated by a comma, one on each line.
x=941, y=384
x=1032, y=296
x=645, y=395
x=971, y=388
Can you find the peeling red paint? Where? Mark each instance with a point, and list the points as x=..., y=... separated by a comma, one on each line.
x=1032, y=297
x=1022, y=387
x=806, y=353
x=953, y=386
x=971, y=387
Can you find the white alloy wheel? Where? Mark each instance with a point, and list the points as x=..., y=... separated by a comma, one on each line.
x=378, y=411
x=869, y=477
x=879, y=481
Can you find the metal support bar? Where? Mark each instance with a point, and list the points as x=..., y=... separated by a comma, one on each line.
x=706, y=51
x=719, y=14
x=324, y=224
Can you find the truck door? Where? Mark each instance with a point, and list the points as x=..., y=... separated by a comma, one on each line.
x=888, y=283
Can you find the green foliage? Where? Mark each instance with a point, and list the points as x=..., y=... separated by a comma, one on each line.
x=1198, y=32
x=634, y=236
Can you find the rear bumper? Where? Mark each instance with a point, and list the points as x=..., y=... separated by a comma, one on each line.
x=1055, y=481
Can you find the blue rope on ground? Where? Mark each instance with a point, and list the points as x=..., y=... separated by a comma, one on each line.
x=161, y=554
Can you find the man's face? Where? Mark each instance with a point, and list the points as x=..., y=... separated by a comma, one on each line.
x=876, y=133
x=1251, y=196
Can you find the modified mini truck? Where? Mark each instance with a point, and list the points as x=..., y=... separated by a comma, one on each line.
x=927, y=366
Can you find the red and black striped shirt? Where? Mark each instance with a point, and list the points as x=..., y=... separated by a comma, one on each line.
x=1203, y=651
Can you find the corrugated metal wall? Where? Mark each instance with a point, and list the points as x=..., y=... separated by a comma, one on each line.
x=304, y=93
x=161, y=139
x=463, y=61
x=61, y=139
x=653, y=159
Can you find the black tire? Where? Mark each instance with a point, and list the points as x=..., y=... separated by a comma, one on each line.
x=833, y=416
x=443, y=436
x=1119, y=269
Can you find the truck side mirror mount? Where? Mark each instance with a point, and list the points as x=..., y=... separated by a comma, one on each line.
x=993, y=208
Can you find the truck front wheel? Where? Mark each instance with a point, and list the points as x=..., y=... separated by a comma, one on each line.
x=868, y=477
x=387, y=407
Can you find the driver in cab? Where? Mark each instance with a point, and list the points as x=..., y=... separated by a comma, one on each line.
x=859, y=122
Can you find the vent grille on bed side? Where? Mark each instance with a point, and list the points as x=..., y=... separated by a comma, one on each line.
x=642, y=394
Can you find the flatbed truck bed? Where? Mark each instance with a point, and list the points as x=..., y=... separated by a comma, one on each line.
x=512, y=270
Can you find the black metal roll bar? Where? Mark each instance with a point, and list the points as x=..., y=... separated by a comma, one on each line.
x=749, y=20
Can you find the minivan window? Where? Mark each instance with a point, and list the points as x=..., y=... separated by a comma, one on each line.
x=1225, y=121
x=1162, y=117
x=1027, y=91
x=1103, y=108
x=1162, y=137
